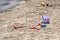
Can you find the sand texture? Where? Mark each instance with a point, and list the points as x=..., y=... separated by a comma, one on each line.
x=27, y=14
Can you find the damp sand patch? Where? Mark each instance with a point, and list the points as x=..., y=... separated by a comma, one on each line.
x=9, y=4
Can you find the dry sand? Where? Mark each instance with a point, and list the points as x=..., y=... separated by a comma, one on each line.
x=28, y=14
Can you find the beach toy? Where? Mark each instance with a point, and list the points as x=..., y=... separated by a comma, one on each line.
x=43, y=3
x=43, y=26
x=45, y=18
x=20, y=26
x=16, y=27
x=38, y=24
x=33, y=27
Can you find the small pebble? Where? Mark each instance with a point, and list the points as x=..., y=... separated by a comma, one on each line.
x=47, y=4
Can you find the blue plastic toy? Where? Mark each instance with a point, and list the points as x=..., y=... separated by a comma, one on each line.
x=43, y=26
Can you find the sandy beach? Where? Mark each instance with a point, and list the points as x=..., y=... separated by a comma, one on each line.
x=28, y=13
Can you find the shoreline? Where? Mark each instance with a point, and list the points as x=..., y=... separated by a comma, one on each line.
x=12, y=7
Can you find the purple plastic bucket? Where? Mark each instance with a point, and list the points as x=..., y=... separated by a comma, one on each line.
x=45, y=18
